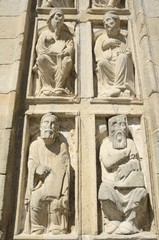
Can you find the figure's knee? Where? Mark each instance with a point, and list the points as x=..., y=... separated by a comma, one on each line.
x=41, y=60
x=67, y=63
x=123, y=58
x=102, y=63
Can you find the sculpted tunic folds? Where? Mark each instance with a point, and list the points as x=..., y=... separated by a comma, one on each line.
x=107, y=3
x=122, y=191
x=57, y=3
x=48, y=197
x=114, y=65
x=53, y=66
x=113, y=57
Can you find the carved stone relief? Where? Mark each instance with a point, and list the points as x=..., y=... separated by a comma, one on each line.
x=114, y=66
x=122, y=191
x=58, y=3
x=109, y=3
x=53, y=70
x=49, y=190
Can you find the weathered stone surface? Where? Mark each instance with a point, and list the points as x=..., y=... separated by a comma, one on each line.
x=2, y=187
x=7, y=106
x=151, y=8
x=8, y=27
x=54, y=58
x=5, y=136
x=151, y=26
x=9, y=7
x=89, y=114
x=121, y=176
x=7, y=51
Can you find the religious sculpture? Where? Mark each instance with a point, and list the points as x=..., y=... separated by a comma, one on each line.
x=114, y=64
x=58, y=3
x=122, y=192
x=55, y=50
x=107, y=3
x=47, y=193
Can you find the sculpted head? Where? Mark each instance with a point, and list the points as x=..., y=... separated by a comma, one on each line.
x=111, y=22
x=56, y=19
x=49, y=127
x=118, y=131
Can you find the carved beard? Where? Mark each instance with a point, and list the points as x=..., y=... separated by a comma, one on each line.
x=56, y=25
x=48, y=134
x=119, y=140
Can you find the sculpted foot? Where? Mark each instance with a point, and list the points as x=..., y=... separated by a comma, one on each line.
x=111, y=227
x=126, y=228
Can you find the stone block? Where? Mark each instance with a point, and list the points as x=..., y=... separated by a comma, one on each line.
x=5, y=136
x=151, y=25
x=2, y=187
x=155, y=51
x=7, y=80
x=9, y=7
x=7, y=108
x=11, y=27
x=7, y=51
x=8, y=27
x=151, y=8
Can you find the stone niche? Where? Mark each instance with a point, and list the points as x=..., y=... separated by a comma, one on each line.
x=111, y=78
x=68, y=135
x=145, y=215
x=52, y=74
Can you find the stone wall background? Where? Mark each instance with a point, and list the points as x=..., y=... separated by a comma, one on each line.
x=16, y=33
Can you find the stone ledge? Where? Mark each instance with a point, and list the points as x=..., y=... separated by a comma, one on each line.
x=46, y=237
x=139, y=236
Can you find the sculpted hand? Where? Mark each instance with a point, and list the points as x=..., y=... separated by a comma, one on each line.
x=65, y=201
x=65, y=53
x=43, y=170
x=123, y=172
x=111, y=43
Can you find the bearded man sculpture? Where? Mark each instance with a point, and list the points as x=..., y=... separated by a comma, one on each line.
x=55, y=49
x=47, y=193
x=122, y=192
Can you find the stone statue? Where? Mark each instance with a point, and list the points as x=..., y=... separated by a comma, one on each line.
x=55, y=50
x=58, y=3
x=122, y=192
x=113, y=57
x=47, y=193
x=107, y=3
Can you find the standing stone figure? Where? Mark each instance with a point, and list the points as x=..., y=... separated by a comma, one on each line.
x=47, y=193
x=113, y=58
x=122, y=192
x=107, y=3
x=55, y=49
x=58, y=3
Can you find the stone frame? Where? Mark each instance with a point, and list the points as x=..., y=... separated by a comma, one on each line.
x=28, y=137
x=40, y=25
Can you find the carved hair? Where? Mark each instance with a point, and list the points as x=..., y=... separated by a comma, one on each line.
x=117, y=118
x=52, y=13
x=47, y=115
x=114, y=15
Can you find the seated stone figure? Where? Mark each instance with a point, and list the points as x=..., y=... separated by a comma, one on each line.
x=107, y=3
x=58, y=3
x=114, y=64
x=55, y=49
x=47, y=193
x=122, y=192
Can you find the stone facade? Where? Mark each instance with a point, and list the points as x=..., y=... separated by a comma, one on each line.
x=79, y=131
